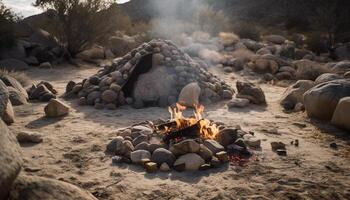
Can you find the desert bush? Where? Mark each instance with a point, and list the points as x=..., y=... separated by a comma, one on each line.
x=19, y=76
x=247, y=31
x=316, y=43
x=7, y=20
x=81, y=23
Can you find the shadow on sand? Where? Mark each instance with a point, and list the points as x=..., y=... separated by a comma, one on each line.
x=191, y=177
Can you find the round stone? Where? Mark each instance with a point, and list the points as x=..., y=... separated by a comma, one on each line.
x=109, y=96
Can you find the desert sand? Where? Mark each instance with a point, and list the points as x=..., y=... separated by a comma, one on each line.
x=73, y=150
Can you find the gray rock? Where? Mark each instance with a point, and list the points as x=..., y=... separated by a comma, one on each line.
x=213, y=146
x=250, y=91
x=341, y=116
x=205, y=153
x=143, y=146
x=164, y=167
x=294, y=94
x=10, y=159
x=189, y=95
x=327, y=77
x=56, y=108
x=45, y=65
x=137, y=156
x=139, y=139
x=162, y=155
x=109, y=96
x=115, y=146
x=227, y=136
x=29, y=137
x=238, y=103
x=183, y=147
x=16, y=97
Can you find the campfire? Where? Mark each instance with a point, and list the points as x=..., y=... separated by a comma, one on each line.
x=181, y=143
x=181, y=127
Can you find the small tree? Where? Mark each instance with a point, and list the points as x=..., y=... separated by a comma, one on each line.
x=81, y=23
x=7, y=20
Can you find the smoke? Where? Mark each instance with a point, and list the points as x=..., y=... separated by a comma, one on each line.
x=174, y=17
x=194, y=26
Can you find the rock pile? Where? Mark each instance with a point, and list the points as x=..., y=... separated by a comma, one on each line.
x=33, y=48
x=142, y=145
x=151, y=75
x=44, y=91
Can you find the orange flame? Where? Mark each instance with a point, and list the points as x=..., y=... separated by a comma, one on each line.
x=208, y=130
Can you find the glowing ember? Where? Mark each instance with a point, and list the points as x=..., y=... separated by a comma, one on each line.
x=208, y=130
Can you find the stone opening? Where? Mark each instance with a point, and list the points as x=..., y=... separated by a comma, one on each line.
x=143, y=66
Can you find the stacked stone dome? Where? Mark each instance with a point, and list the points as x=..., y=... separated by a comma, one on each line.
x=151, y=75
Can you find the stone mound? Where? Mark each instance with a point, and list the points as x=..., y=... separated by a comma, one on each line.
x=151, y=75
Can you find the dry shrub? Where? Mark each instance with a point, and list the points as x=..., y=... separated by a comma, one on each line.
x=228, y=38
x=19, y=76
x=244, y=55
x=247, y=31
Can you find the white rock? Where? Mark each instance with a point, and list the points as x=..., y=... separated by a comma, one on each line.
x=192, y=161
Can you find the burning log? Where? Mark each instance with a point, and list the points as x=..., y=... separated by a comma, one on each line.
x=192, y=131
x=165, y=126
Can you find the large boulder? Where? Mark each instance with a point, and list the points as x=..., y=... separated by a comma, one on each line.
x=154, y=85
x=326, y=78
x=321, y=100
x=294, y=94
x=341, y=116
x=33, y=188
x=189, y=95
x=10, y=160
x=43, y=38
x=16, y=97
x=56, y=108
x=341, y=67
x=250, y=91
x=10, y=81
x=4, y=97
x=12, y=64
x=309, y=70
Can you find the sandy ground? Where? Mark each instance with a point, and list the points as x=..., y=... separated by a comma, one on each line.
x=73, y=151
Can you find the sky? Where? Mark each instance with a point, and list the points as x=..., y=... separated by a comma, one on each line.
x=25, y=8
